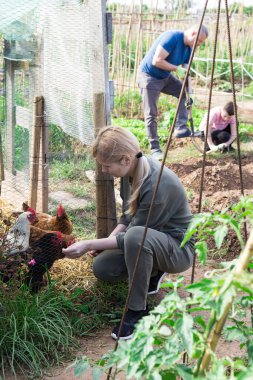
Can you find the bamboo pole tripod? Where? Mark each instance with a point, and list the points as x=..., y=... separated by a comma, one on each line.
x=206, y=359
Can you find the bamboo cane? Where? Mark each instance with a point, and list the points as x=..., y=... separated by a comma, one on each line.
x=137, y=52
x=127, y=50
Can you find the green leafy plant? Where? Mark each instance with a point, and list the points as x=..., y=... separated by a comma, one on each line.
x=218, y=224
x=123, y=103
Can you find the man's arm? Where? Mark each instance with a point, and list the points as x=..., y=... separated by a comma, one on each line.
x=159, y=60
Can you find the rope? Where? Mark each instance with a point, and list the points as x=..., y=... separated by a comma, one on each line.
x=246, y=71
x=215, y=76
x=239, y=60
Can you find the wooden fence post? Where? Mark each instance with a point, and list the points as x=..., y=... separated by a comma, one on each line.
x=35, y=156
x=44, y=166
x=1, y=160
x=105, y=197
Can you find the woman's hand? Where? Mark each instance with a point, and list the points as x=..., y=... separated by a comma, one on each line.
x=94, y=247
x=77, y=249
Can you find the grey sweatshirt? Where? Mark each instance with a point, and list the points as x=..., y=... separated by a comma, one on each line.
x=170, y=213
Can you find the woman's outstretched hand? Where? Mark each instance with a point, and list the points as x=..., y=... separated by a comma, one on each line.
x=94, y=247
x=76, y=250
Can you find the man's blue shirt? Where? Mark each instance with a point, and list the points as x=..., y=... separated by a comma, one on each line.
x=173, y=42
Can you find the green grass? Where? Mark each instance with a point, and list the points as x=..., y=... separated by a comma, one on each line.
x=246, y=132
x=71, y=168
x=79, y=190
x=35, y=332
x=40, y=331
x=84, y=221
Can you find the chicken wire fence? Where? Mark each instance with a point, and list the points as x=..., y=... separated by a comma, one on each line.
x=52, y=66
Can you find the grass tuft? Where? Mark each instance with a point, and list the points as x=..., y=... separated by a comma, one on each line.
x=35, y=332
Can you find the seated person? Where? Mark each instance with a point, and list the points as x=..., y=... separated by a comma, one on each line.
x=221, y=129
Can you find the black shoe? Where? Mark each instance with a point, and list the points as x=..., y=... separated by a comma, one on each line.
x=131, y=318
x=155, y=282
x=182, y=132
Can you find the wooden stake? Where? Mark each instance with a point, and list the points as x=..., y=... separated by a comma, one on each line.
x=105, y=197
x=35, y=158
x=44, y=165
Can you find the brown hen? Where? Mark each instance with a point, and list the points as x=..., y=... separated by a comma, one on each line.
x=59, y=222
x=37, y=233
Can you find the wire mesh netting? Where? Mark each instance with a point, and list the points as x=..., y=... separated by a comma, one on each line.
x=51, y=69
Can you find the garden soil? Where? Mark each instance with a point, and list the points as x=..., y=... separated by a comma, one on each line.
x=221, y=188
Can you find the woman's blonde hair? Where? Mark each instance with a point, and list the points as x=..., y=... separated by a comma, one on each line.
x=110, y=145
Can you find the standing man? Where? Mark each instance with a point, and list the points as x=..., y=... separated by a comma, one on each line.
x=169, y=51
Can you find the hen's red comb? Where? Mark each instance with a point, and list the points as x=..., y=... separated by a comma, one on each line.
x=60, y=210
x=30, y=209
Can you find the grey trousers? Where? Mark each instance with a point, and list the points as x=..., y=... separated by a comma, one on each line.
x=150, y=89
x=160, y=252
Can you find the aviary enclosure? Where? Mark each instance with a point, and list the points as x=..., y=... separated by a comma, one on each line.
x=64, y=75
x=54, y=94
